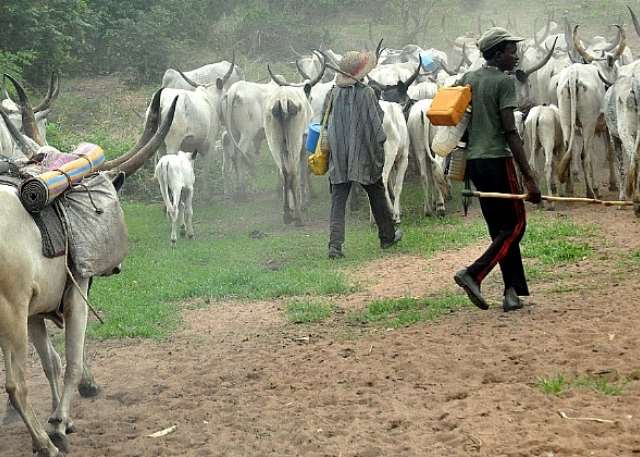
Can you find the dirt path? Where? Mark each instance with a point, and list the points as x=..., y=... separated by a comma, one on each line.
x=238, y=381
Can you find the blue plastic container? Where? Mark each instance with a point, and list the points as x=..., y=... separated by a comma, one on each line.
x=312, y=136
x=428, y=64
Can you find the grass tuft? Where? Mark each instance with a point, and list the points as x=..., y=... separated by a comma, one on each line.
x=557, y=385
x=308, y=312
x=402, y=312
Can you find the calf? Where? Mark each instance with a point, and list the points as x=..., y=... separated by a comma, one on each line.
x=175, y=174
x=544, y=139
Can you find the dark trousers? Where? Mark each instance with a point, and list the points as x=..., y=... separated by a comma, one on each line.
x=379, y=208
x=505, y=219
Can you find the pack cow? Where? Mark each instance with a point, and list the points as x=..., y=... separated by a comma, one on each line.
x=32, y=286
x=176, y=178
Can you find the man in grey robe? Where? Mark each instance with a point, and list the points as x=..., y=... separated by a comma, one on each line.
x=356, y=138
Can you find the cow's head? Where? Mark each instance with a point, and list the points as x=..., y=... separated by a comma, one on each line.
x=396, y=93
x=606, y=58
x=522, y=76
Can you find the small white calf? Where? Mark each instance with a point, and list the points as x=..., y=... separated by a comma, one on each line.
x=175, y=174
x=544, y=140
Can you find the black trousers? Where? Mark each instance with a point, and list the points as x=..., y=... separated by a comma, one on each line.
x=505, y=219
x=379, y=208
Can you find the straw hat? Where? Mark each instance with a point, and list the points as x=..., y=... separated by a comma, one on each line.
x=356, y=64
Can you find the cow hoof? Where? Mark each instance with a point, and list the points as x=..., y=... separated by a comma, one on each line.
x=88, y=390
x=11, y=416
x=60, y=441
x=298, y=223
x=183, y=231
x=190, y=236
x=440, y=212
x=613, y=187
x=173, y=243
x=287, y=219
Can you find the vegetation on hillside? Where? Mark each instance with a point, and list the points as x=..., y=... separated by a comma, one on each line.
x=141, y=38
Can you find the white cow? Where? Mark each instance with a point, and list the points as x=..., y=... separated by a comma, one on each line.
x=544, y=143
x=176, y=177
x=580, y=97
x=430, y=166
x=286, y=117
x=243, y=108
x=207, y=74
x=396, y=155
x=8, y=146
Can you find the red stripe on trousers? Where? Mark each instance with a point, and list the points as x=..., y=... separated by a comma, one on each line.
x=518, y=229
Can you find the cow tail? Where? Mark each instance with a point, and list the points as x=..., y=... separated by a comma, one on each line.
x=563, y=168
x=228, y=118
x=533, y=135
x=437, y=172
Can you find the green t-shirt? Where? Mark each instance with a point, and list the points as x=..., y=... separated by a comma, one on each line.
x=492, y=91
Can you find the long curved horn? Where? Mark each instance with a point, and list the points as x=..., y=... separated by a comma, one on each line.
x=150, y=127
x=622, y=44
x=447, y=69
x=636, y=23
x=28, y=146
x=29, y=124
x=220, y=82
x=52, y=93
x=415, y=74
x=6, y=93
x=294, y=51
x=301, y=71
x=588, y=58
x=543, y=61
x=134, y=163
x=465, y=57
x=616, y=42
x=604, y=79
x=275, y=79
x=379, y=49
x=190, y=81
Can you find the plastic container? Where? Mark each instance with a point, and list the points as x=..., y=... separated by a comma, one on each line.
x=447, y=138
x=449, y=105
x=458, y=164
x=312, y=136
x=428, y=64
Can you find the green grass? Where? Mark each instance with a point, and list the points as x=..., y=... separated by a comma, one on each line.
x=559, y=384
x=635, y=256
x=402, y=312
x=307, y=312
x=556, y=241
x=554, y=385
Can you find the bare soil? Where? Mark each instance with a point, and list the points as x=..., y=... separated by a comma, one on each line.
x=239, y=380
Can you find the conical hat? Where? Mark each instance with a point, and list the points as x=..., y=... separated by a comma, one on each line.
x=358, y=65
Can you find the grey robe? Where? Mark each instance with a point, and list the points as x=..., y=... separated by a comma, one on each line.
x=356, y=136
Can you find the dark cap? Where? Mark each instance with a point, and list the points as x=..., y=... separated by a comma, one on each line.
x=494, y=36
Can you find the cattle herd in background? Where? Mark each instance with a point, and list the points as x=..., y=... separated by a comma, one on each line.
x=579, y=102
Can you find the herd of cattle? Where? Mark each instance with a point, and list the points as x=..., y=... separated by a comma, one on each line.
x=578, y=103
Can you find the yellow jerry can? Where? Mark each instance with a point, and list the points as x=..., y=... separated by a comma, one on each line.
x=449, y=105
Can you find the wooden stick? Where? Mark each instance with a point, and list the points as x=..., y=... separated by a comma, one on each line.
x=549, y=198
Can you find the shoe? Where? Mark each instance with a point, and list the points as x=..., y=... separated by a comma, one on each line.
x=471, y=287
x=511, y=301
x=397, y=236
x=335, y=252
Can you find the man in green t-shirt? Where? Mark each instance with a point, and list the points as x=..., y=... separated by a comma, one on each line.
x=493, y=146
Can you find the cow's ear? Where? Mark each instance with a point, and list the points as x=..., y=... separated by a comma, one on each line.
x=219, y=83
x=194, y=154
x=307, y=89
x=521, y=76
x=118, y=181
